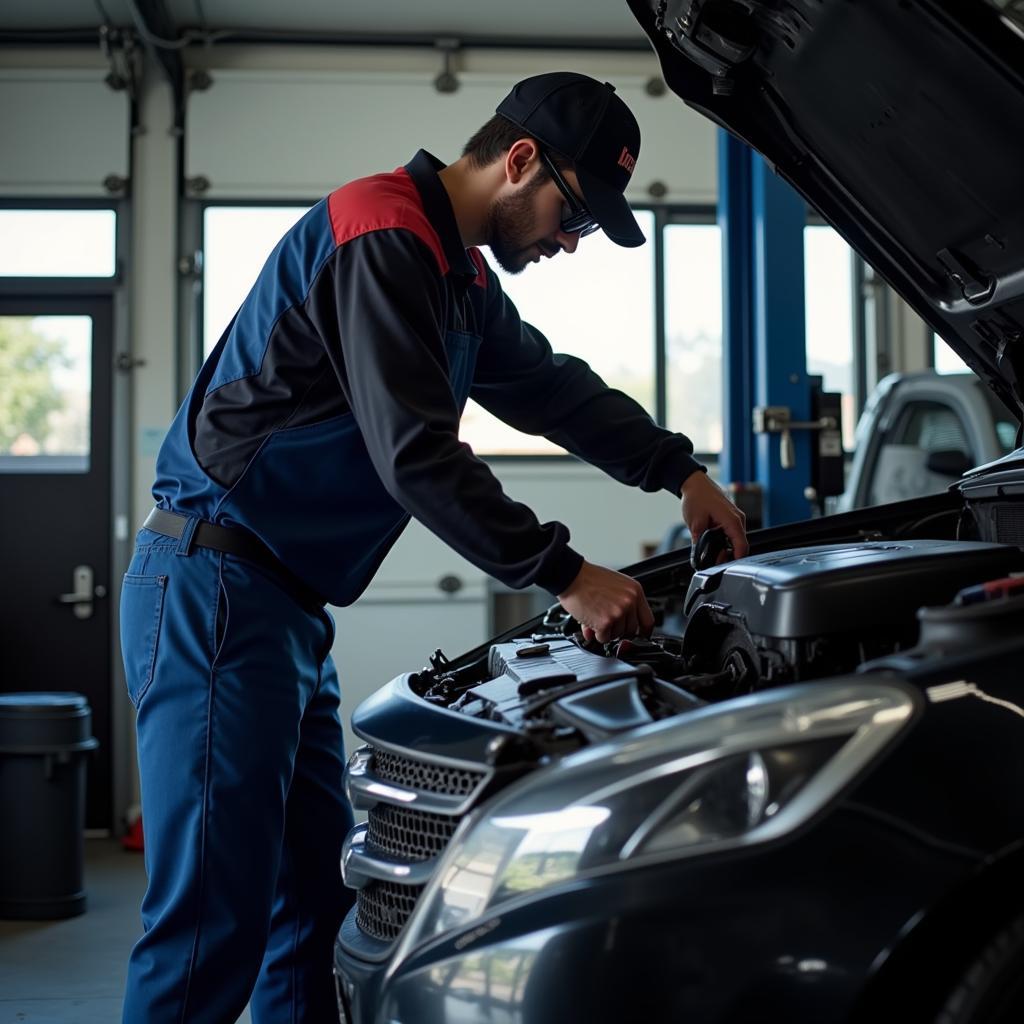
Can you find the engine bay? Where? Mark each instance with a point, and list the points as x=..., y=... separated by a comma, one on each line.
x=865, y=591
x=780, y=617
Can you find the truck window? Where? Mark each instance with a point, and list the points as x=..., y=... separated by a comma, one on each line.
x=900, y=470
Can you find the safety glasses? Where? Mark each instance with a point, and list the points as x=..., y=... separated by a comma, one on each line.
x=579, y=220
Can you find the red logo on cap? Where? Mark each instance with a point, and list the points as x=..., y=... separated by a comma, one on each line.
x=627, y=160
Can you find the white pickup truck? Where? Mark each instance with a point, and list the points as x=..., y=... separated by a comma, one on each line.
x=921, y=431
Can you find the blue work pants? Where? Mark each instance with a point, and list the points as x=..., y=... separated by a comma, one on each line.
x=241, y=759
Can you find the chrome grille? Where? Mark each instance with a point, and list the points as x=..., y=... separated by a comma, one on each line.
x=382, y=908
x=424, y=776
x=406, y=834
x=399, y=833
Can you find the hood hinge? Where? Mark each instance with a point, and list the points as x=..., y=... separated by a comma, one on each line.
x=976, y=286
x=717, y=35
x=1006, y=340
x=1011, y=365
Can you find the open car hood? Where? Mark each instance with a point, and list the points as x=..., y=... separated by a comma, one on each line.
x=901, y=122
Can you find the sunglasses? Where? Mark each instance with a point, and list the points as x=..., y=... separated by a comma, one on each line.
x=578, y=220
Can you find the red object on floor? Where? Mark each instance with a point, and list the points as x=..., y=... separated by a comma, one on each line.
x=133, y=839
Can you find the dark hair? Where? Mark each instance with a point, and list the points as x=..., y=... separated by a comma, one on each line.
x=497, y=137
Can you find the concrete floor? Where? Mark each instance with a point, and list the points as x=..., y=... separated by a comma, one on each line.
x=73, y=971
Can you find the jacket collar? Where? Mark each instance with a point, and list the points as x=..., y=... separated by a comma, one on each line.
x=423, y=168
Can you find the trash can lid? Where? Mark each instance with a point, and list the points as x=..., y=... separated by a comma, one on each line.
x=41, y=703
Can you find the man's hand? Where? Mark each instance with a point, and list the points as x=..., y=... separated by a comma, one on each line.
x=705, y=504
x=606, y=604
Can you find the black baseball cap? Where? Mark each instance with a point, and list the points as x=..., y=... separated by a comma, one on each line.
x=583, y=120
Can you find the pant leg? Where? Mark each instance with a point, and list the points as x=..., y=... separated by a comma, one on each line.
x=235, y=663
x=296, y=983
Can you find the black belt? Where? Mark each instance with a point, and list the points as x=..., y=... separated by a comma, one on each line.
x=231, y=541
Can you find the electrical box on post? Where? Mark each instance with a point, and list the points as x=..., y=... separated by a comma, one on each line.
x=827, y=471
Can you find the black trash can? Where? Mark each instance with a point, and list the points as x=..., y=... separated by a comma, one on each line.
x=44, y=741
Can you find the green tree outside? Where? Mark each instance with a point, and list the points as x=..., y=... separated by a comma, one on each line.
x=28, y=394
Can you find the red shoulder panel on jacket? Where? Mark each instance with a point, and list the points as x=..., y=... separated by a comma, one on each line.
x=377, y=203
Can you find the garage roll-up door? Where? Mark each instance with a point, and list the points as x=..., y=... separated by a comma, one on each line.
x=65, y=133
x=282, y=134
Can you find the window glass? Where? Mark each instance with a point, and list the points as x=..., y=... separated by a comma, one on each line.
x=597, y=304
x=945, y=360
x=45, y=393
x=236, y=243
x=933, y=427
x=828, y=298
x=57, y=243
x=693, y=332
x=902, y=469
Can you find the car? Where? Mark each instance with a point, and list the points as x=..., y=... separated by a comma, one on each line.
x=798, y=800
x=921, y=431
x=917, y=434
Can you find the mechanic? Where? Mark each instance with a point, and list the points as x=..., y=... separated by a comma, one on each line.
x=326, y=416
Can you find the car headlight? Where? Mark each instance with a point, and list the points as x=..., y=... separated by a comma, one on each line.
x=723, y=777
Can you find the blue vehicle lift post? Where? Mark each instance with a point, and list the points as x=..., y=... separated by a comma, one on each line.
x=764, y=339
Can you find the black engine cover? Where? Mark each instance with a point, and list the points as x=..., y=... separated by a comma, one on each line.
x=845, y=588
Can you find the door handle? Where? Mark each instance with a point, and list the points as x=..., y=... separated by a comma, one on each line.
x=82, y=597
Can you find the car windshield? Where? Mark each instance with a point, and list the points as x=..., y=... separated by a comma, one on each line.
x=1002, y=420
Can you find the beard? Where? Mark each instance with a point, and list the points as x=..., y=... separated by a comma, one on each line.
x=511, y=225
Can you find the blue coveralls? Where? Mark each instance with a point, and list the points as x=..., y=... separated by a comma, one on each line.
x=325, y=417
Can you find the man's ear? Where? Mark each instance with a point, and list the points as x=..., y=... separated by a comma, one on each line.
x=520, y=160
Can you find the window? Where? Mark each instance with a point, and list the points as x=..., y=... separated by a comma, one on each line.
x=598, y=305
x=932, y=427
x=945, y=360
x=236, y=243
x=45, y=393
x=693, y=333
x=903, y=469
x=57, y=243
x=828, y=305
x=46, y=361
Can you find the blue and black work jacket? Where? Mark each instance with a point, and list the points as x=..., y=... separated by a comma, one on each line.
x=329, y=412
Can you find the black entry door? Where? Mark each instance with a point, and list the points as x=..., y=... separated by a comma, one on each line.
x=55, y=521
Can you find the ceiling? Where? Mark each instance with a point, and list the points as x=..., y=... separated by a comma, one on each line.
x=543, y=20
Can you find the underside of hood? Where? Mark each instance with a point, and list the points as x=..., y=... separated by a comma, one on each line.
x=901, y=122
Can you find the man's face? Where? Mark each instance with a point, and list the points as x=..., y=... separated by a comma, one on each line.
x=527, y=225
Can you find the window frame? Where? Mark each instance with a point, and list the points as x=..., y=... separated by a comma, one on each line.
x=664, y=215
x=192, y=301
x=193, y=298
x=39, y=284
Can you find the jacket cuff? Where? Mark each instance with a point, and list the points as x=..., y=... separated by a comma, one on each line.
x=559, y=571
x=678, y=470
